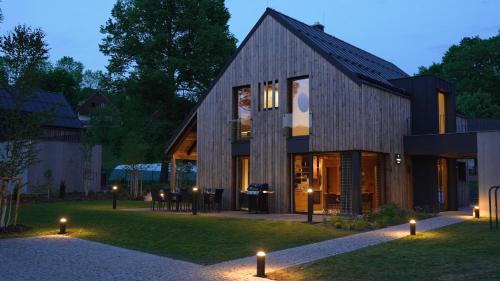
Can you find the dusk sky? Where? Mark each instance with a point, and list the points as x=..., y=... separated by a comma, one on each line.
x=407, y=33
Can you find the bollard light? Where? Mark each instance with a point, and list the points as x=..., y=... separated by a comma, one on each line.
x=413, y=227
x=114, y=190
x=195, y=200
x=62, y=225
x=310, y=202
x=261, y=264
x=476, y=212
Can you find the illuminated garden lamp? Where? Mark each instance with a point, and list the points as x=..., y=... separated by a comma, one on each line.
x=476, y=212
x=310, y=202
x=261, y=264
x=413, y=227
x=195, y=200
x=114, y=190
x=62, y=225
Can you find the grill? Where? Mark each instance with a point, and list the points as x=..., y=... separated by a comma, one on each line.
x=257, y=198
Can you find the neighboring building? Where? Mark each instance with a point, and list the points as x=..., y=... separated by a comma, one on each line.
x=59, y=147
x=297, y=108
x=95, y=101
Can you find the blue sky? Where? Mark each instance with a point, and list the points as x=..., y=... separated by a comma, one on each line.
x=407, y=33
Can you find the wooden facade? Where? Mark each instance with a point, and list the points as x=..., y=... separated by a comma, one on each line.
x=346, y=116
x=358, y=106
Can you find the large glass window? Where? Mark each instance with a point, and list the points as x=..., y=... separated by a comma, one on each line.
x=300, y=107
x=243, y=112
x=442, y=112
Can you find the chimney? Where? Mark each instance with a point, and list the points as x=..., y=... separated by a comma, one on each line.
x=318, y=26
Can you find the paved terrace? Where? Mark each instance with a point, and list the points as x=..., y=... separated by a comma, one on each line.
x=63, y=258
x=317, y=218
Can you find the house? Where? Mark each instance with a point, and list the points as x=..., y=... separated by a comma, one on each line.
x=96, y=100
x=59, y=148
x=297, y=108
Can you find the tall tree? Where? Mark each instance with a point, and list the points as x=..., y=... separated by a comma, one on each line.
x=65, y=77
x=474, y=67
x=24, y=51
x=163, y=57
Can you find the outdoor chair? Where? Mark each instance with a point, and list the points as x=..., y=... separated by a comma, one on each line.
x=155, y=199
x=332, y=202
x=218, y=198
x=207, y=201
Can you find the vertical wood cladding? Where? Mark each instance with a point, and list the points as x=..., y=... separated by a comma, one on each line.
x=345, y=116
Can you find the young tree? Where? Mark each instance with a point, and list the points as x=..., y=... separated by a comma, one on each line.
x=24, y=51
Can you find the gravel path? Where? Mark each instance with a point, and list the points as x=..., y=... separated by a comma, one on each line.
x=63, y=258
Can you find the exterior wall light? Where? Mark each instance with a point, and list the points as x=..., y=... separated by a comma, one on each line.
x=261, y=264
x=310, y=203
x=413, y=227
x=476, y=212
x=114, y=190
x=195, y=200
x=398, y=158
x=62, y=225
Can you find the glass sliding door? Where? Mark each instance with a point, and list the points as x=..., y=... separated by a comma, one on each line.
x=325, y=173
x=442, y=184
x=242, y=179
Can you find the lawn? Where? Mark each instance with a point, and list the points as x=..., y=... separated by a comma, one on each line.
x=204, y=240
x=465, y=251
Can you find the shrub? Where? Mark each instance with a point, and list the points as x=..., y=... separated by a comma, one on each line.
x=387, y=215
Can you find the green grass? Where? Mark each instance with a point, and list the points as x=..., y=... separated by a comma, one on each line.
x=199, y=239
x=465, y=251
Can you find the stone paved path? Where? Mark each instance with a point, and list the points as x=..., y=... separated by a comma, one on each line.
x=62, y=258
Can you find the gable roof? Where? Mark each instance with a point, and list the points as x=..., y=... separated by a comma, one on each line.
x=357, y=64
x=92, y=102
x=352, y=59
x=42, y=101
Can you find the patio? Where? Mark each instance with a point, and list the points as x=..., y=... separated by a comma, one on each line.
x=317, y=218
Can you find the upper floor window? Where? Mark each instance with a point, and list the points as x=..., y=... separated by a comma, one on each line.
x=299, y=95
x=243, y=112
x=442, y=112
x=270, y=95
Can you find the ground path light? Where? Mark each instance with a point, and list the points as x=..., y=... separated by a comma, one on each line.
x=62, y=225
x=310, y=202
x=195, y=201
x=476, y=212
x=413, y=227
x=261, y=264
x=114, y=190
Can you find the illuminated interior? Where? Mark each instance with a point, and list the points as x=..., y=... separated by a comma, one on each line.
x=300, y=107
x=442, y=112
x=442, y=184
x=242, y=177
x=243, y=112
x=326, y=171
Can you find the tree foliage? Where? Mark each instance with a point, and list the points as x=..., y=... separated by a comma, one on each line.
x=163, y=57
x=473, y=67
